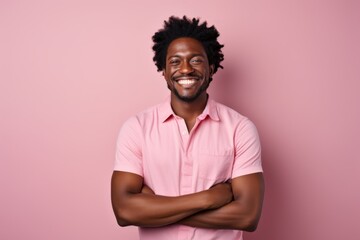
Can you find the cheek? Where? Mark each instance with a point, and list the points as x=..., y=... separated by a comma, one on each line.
x=167, y=77
x=167, y=73
x=204, y=71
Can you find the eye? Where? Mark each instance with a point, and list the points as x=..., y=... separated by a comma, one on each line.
x=196, y=60
x=174, y=61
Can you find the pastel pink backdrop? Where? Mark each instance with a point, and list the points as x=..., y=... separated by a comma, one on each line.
x=71, y=72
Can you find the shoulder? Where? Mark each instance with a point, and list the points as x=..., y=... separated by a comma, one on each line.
x=232, y=119
x=228, y=114
x=144, y=117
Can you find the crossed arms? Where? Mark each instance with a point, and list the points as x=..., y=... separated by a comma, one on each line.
x=235, y=205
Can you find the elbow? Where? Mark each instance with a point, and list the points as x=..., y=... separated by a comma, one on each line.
x=250, y=224
x=122, y=222
x=123, y=214
x=250, y=227
x=124, y=218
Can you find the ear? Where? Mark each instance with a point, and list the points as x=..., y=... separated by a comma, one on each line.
x=212, y=67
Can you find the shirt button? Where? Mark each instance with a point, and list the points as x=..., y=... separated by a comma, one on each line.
x=184, y=132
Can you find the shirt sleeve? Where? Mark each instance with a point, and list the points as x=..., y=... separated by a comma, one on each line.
x=128, y=156
x=247, y=150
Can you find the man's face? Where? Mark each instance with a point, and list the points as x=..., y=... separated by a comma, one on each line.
x=187, y=69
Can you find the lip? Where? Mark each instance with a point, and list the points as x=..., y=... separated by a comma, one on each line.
x=186, y=78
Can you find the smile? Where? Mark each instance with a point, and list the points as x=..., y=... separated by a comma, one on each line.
x=186, y=82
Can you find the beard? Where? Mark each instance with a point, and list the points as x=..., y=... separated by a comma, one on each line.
x=192, y=98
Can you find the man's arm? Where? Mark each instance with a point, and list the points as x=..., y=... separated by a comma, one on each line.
x=132, y=207
x=242, y=213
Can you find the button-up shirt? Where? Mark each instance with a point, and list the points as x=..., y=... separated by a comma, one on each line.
x=157, y=145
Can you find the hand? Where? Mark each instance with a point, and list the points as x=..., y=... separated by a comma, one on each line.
x=220, y=195
x=145, y=189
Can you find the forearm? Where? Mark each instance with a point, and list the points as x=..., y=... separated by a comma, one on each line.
x=132, y=206
x=243, y=213
x=149, y=210
x=230, y=216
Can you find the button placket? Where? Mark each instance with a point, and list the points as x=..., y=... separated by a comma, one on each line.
x=186, y=165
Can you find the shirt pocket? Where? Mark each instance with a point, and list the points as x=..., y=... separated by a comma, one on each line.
x=215, y=164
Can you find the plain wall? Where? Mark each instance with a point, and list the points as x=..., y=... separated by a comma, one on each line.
x=71, y=72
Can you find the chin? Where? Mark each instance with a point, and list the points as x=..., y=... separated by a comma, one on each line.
x=188, y=98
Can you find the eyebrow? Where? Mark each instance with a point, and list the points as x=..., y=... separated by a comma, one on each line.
x=179, y=56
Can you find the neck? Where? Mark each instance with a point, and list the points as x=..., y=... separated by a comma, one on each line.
x=189, y=110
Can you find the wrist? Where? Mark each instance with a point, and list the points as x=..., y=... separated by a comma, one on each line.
x=208, y=200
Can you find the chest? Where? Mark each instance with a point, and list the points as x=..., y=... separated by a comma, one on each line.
x=187, y=162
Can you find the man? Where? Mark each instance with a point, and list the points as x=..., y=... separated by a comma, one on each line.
x=188, y=168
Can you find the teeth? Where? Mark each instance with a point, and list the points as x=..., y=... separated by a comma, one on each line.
x=186, y=82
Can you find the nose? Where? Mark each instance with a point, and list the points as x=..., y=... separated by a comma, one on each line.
x=185, y=68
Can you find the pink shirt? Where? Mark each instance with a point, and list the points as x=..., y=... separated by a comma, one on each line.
x=156, y=145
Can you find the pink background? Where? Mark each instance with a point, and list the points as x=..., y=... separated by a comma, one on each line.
x=71, y=72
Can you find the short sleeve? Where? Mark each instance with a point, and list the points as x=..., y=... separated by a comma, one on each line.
x=247, y=150
x=128, y=148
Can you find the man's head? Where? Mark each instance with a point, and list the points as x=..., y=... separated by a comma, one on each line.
x=187, y=51
x=183, y=27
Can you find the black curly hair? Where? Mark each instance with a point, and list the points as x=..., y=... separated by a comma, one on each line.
x=184, y=27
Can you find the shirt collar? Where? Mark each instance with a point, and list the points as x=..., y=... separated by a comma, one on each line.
x=165, y=110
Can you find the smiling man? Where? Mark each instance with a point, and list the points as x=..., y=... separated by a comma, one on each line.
x=188, y=168
x=190, y=81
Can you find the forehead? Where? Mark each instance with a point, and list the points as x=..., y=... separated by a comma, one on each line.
x=185, y=46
